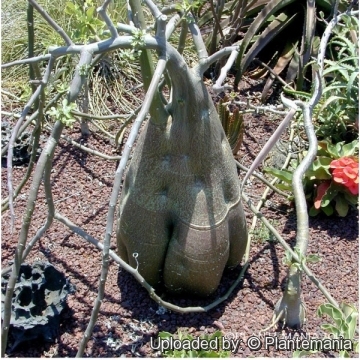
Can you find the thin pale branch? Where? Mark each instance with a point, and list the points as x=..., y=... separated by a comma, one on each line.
x=49, y=219
x=171, y=26
x=287, y=247
x=198, y=42
x=156, y=13
x=206, y=63
x=102, y=12
x=51, y=22
x=27, y=61
x=269, y=144
x=14, y=135
x=261, y=178
x=218, y=87
x=109, y=135
x=90, y=151
x=113, y=199
x=125, y=28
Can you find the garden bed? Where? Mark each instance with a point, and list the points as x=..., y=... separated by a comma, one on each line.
x=128, y=319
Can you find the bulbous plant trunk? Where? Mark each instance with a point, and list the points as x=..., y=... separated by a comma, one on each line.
x=180, y=207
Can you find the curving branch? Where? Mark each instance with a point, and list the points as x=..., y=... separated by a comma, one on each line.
x=207, y=62
x=102, y=12
x=198, y=42
x=172, y=307
x=45, y=158
x=14, y=135
x=269, y=145
x=218, y=87
x=294, y=255
x=289, y=308
x=51, y=22
x=32, y=60
x=114, y=196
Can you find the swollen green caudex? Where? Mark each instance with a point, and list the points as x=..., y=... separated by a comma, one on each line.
x=180, y=207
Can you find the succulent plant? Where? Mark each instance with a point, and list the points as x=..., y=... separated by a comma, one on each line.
x=180, y=208
x=233, y=124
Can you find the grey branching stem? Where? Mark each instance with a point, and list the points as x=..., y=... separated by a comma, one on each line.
x=102, y=12
x=45, y=156
x=15, y=131
x=90, y=151
x=51, y=22
x=290, y=305
x=113, y=199
x=44, y=161
x=294, y=255
x=168, y=58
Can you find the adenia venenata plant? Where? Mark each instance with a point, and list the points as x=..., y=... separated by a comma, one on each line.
x=180, y=208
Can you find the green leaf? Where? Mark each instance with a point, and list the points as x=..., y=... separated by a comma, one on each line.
x=192, y=353
x=331, y=329
x=320, y=169
x=350, y=198
x=283, y=175
x=312, y=258
x=90, y=13
x=332, y=311
x=313, y=211
x=328, y=210
x=165, y=335
x=350, y=149
x=70, y=8
x=330, y=194
x=216, y=334
x=273, y=29
x=341, y=206
x=351, y=315
x=325, y=148
x=344, y=331
x=344, y=354
x=286, y=187
x=271, y=8
x=350, y=86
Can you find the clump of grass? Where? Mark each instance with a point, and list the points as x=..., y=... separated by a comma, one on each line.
x=112, y=78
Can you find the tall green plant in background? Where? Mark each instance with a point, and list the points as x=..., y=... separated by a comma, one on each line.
x=337, y=115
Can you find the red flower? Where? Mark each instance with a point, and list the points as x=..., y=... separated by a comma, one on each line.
x=345, y=171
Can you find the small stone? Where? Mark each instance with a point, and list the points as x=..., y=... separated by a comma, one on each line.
x=219, y=325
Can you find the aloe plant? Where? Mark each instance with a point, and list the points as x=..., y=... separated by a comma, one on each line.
x=233, y=124
x=288, y=30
